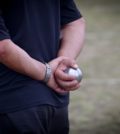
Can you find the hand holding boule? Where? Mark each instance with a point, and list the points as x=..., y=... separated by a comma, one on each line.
x=67, y=82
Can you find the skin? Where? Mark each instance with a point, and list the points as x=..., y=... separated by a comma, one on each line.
x=73, y=35
x=18, y=60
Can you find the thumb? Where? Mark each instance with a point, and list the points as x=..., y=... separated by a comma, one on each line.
x=73, y=64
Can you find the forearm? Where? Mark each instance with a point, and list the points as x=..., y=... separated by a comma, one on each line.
x=72, y=39
x=18, y=60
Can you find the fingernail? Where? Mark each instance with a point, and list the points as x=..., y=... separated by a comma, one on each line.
x=75, y=66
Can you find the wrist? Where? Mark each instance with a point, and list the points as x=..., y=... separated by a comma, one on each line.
x=48, y=73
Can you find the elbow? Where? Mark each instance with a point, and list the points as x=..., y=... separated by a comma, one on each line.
x=82, y=20
x=82, y=23
x=2, y=49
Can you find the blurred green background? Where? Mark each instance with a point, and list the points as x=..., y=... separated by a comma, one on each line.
x=95, y=107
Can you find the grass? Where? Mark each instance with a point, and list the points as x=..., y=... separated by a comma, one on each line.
x=95, y=108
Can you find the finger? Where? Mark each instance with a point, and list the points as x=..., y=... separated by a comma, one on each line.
x=70, y=63
x=67, y=84
x=74, y=88
x=60, y=90
x=59, y=74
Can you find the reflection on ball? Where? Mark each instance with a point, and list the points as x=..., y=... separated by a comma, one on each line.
x=75, y=72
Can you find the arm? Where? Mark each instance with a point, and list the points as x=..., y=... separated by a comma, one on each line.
x=18, y=60
x=72, y=41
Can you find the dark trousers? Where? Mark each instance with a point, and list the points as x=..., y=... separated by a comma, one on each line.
x=37, y=120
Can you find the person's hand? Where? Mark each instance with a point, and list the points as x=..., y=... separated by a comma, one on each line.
x=52, y=82
x=65, y=81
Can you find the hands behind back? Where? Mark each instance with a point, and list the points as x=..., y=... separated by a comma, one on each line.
x=60, y=81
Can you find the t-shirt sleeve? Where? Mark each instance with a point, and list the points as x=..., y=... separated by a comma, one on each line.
x=4, y=34
x=69, y=12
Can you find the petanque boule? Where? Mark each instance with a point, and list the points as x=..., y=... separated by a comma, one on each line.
x=75, y=72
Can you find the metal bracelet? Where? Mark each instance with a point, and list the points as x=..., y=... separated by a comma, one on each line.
x=47, y=73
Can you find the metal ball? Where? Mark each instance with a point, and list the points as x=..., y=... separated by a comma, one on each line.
x=75, y=72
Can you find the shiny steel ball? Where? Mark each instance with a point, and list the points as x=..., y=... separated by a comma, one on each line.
x=75, y=72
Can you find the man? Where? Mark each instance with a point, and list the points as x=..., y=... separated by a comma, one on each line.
x=38, y=40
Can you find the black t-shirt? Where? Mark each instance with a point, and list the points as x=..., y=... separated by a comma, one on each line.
x=34, y=25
